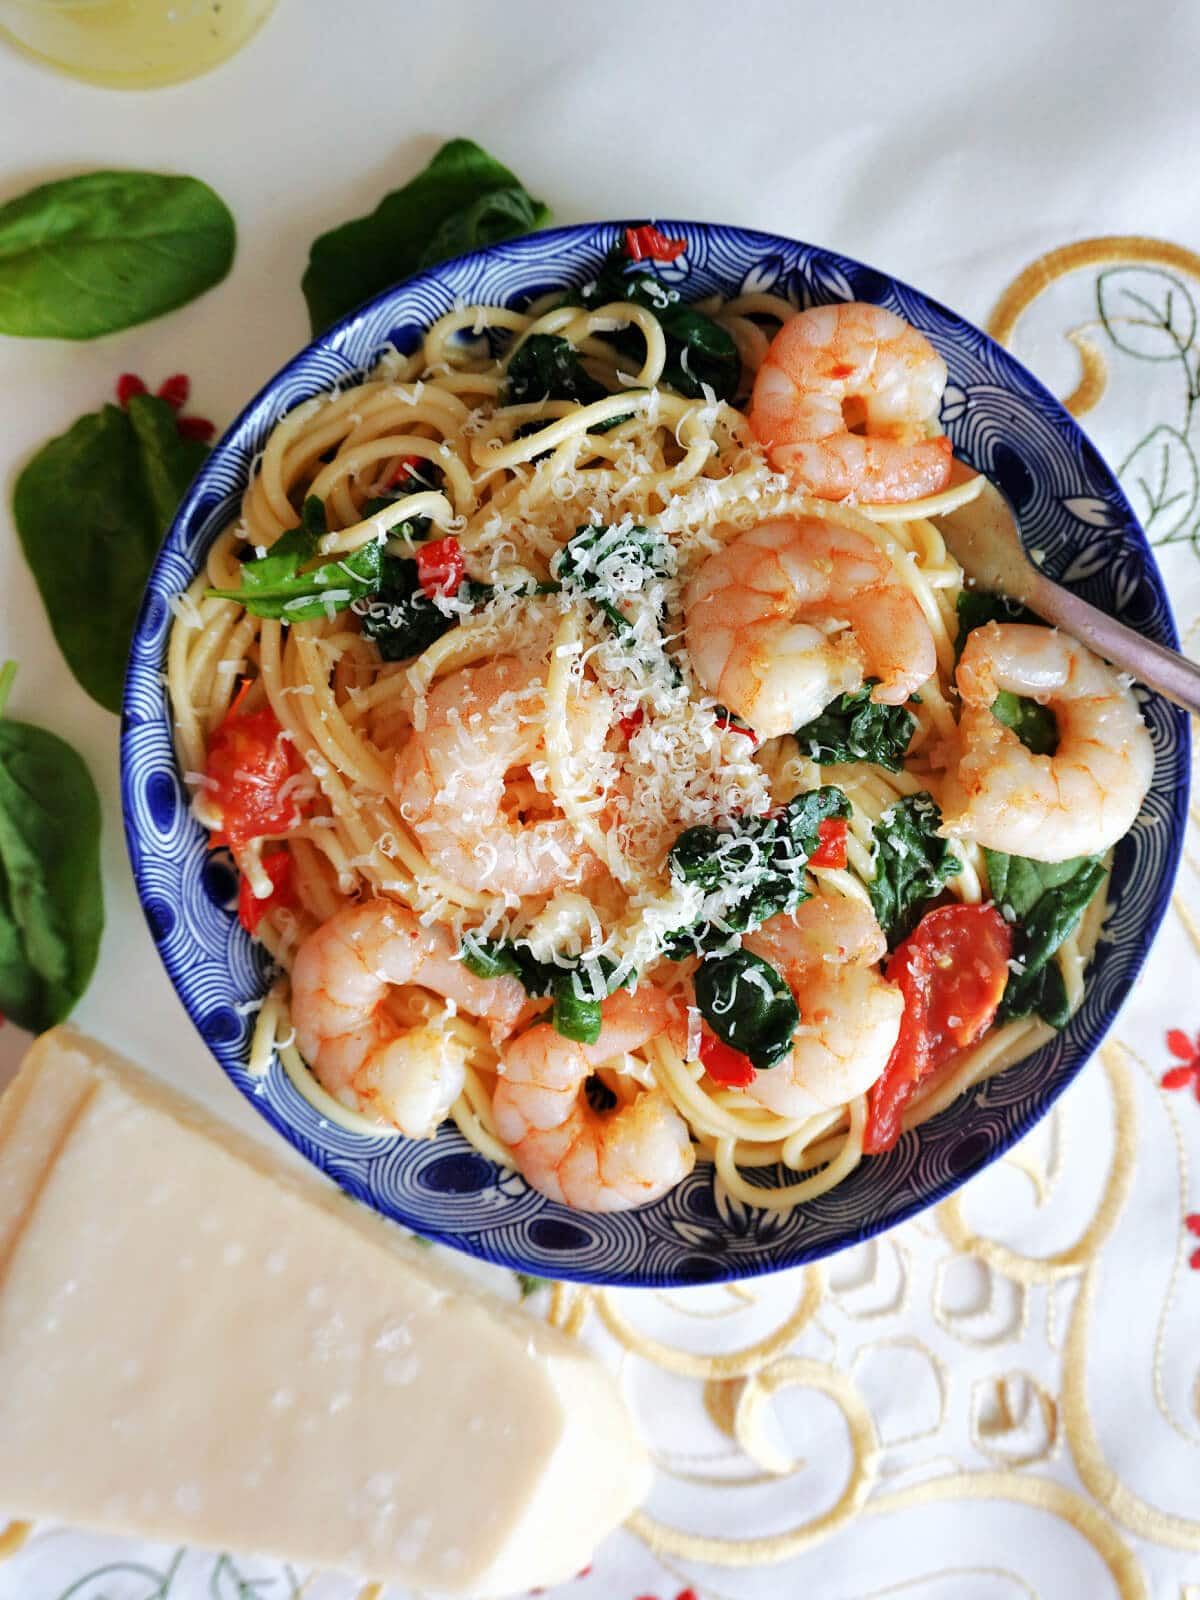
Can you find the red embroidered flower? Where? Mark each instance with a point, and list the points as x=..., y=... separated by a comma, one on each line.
x=1184, y=1050
x=1192, y=1224
x=174, y=392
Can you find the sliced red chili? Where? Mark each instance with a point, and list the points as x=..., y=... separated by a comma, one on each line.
x=405, y=467
x=648, y=244
x=723, y=1063
x=629, y=725
x=832, y=850
x=249, y=763
x=251, y=910
x=729, y=724
x=952, y=971
x=175, y=390
x=440, y=567
x=129, y=384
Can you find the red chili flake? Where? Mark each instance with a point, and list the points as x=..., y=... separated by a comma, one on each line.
x=1183, y=1049
x=440, y=566
x=129, y=384
x=831, y=852
x=251, y=909
x=724, y=1064
x=728, y=724
x=648, y=244
x=195, y=428
x=175, y=390
x=406, y=467
x=629, y=725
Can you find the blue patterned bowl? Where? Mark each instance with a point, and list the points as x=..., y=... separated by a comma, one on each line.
x=1003, y=422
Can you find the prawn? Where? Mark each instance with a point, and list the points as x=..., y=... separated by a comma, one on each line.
x=792, y=613
x=1076, y=802
x=594, y=1162
x=835, y=363
x=828, y=951
x=480, y=723
x=341, y=978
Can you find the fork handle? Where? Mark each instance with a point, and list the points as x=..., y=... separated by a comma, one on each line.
x=1166, y=671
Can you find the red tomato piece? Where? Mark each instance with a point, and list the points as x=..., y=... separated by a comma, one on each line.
x=175, y=390
x=251, y=909
x=831, y=852
x=648, y=244
x=629, y=725
x=951, y=970
x=249, y=762
x=723, y=1063
x=440, y=566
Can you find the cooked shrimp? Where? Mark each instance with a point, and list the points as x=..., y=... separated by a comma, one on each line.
x=340, y=980
x=480, y=723
x=833, y=363
x=1078, y=801
x=828, y=950
x=792, y=613
x=595, y=1162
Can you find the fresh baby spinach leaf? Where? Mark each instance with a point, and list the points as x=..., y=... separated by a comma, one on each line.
x=91, y=509
x=462, y=201
x=51, y=901
x=1045, y=899
x=88, y=255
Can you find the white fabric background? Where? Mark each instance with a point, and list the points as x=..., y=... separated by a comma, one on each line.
x=950, y=146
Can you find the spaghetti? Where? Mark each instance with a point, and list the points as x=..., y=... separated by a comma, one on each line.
x=342, y=651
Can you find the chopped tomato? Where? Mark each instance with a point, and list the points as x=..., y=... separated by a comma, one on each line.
x=406, y=467
x=951, y=970
x=831, y=852
x=629, y=725
x=648, y=244
x=251, y=910
x=723, y=1063
x=440, y=566
x=249, y=763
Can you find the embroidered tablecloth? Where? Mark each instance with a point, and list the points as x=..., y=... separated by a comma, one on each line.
x=1002, y=1398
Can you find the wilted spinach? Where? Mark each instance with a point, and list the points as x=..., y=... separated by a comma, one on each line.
x=854, y=728
x=1033, y=724
x=283, y=584
x=912, y=863
x=1046, y=900
x=748, y=1005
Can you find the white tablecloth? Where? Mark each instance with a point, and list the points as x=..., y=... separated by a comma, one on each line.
x=1001, y=1399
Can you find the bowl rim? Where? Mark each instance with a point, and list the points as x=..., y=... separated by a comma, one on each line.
x=727, y=1267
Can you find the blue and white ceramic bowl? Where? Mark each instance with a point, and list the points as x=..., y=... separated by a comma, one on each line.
x=1003, y=422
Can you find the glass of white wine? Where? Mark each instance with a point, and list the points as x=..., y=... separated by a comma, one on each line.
x=132, y=44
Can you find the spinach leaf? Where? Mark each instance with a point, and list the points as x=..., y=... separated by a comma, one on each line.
x=281, y=585
x=548, y=368
x=91, y=508
x=854, y=728
x=1046, y=899
x=604, y=562
x=748, y=1005
x=51, y=901
x=912, y=863
x=1033, y=724
x=402, y=619
x=699, y=351
x=88, y=255
x=461, y=201
x=753, y=870
x=578, y=990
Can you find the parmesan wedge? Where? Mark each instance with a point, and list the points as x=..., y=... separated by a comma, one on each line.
x=198, y=1344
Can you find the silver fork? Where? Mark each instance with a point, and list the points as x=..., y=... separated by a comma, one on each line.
x=983, y=538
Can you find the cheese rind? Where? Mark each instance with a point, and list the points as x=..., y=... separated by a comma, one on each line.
x=198, y=1344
